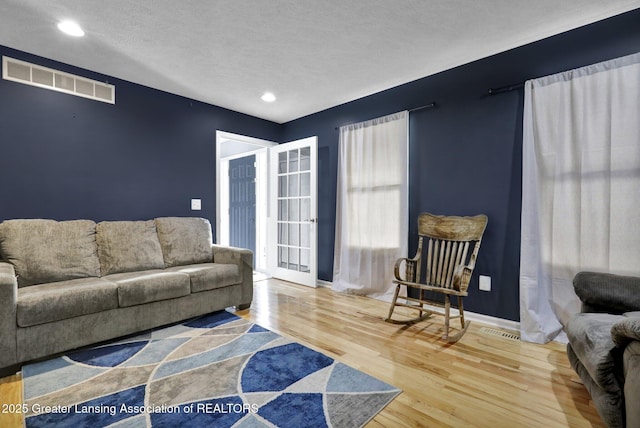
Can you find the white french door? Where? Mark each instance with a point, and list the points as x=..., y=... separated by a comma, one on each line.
x=293, y=203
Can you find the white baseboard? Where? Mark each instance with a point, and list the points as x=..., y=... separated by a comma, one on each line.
x=471, y=316
x=323, y=283
x=493, y=321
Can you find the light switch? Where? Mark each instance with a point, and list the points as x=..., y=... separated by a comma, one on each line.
x=485, y=283
x=196, y=204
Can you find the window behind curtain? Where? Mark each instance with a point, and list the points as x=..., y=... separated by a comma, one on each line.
x=581, y=175
x=372, y=207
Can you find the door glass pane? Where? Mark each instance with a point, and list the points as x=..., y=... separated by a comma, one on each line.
x=304, y=260
x=294, y=234
x=282, y=186
x=282, y=163
x=294, y=210
x=282, y=233
x=293, y=258
x=282, y=209
x=293, y=160
x=305, y=159
x=305, y=231
x=283, y=257
x=305, y=209
x=294, y=187
x=305, y=184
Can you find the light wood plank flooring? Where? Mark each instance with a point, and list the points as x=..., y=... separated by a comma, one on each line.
x=481, y=381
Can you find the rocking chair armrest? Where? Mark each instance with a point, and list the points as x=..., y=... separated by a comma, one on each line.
x=410, y=267
x=461, y=277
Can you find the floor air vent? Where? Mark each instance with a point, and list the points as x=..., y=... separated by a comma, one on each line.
x=500, y=333
x=43, y=77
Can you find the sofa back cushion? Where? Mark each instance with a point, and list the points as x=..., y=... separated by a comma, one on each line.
x=127, y=246
x=44, y=251
x=185, y=240
x=607, y=292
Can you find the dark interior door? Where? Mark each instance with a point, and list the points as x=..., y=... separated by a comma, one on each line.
x=242, y=202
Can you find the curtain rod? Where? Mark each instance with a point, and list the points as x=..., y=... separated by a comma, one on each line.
x=508, y=88
x=430, y=105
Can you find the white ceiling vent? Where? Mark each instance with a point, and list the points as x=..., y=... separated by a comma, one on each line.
x=43, y=77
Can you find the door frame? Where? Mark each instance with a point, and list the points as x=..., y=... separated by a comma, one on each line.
x=249, y=146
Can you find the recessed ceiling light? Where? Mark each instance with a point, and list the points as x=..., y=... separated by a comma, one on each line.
x=70, y=28
x=268, y=97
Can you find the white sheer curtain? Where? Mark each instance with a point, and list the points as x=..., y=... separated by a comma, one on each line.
x=581, y=187
x=372, y=205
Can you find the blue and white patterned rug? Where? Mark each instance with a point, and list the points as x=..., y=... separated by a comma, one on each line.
x=218, y=370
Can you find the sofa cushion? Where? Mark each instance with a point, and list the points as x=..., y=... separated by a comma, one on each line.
x=56, y=301
x=128, y=246
x=590, y=338
x=185, y=240
x=44, y=251
x=209, y=276
x=137, y=288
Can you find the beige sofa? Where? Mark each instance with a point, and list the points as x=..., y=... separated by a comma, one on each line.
x=69, y=284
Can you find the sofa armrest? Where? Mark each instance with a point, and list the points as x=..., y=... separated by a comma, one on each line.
x=625, y=331
x=8, y=303
x=631, y=372
x=244, y=259
x=606, y=292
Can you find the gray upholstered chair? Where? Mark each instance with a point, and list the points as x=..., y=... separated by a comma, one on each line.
x=604, y=344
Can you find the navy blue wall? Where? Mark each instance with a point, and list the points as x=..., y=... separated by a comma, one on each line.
x=66, y=157
x=466, y=154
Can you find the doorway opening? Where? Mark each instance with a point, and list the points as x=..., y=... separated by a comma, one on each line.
x=242, y=209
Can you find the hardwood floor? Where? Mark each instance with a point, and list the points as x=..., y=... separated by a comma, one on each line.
x=481, y=381
x=10, y=396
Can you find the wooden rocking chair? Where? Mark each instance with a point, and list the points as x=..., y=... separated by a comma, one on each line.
x=447, y=267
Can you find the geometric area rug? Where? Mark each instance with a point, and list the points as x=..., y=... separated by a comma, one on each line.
x=218, y=370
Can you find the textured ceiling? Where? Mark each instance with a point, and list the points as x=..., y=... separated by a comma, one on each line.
x=313, y=54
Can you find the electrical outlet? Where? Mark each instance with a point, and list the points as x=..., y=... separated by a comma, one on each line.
x=196, y=204
x=485, y=283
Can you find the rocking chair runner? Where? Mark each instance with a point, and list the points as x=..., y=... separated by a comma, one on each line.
x=447, y=267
